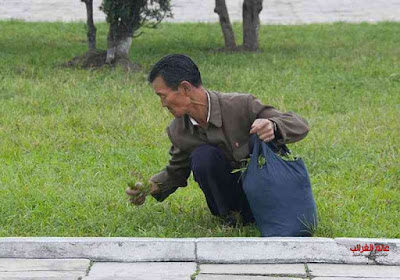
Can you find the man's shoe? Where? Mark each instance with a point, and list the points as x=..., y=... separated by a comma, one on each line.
x=233, y=219
x=230, y=220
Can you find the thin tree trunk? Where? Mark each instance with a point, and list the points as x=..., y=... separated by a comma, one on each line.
x=226, y=26
x=91, y=27
x=251, y=23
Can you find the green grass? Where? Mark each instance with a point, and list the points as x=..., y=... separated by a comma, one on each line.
x=69, y=138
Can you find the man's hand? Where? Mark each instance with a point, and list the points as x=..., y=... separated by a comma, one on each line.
x=264, y=129
x=137, y=194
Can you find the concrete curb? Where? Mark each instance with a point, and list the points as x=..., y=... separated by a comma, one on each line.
x=295, y=250
x=99, y=249
x=205, y=250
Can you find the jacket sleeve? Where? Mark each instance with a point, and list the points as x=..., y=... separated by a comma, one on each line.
x=174, y=175
x=290, y=126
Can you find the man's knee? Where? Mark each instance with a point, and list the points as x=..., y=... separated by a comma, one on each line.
x=205, y=158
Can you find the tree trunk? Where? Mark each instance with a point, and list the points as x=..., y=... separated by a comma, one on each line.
x=119, y=42
x=251, y=23
x=91, y=27
x=226, y=26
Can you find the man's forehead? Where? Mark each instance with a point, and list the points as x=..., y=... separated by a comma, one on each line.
x=159, y=80
x=159, y=83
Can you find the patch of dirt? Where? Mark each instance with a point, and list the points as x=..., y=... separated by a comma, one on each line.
x=97, y=59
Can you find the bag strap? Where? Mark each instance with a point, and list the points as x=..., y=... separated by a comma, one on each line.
x=254, y=147
x=255, y=143
x=282, y=150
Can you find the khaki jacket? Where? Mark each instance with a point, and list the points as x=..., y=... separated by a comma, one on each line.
x=231, y=117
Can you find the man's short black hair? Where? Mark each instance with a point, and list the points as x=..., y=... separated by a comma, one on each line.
x=174, y=69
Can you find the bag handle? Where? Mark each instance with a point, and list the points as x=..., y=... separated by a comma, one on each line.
x=268, y=148
x=254, y=147
x=255, y=144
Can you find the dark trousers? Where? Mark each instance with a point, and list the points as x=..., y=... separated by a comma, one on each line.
x=222, y=189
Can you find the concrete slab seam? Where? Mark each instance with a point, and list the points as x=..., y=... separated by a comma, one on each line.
x=195, y=251
x=197, y=272
x=89, y=268
x=308, y=274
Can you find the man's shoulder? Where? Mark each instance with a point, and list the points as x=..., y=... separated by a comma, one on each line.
x=232, y=100
x=231, y=96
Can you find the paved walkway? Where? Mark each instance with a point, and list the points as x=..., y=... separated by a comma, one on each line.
x=274, y=12
x=76, y=269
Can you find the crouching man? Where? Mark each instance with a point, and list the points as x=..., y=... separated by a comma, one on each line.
x=210, y=135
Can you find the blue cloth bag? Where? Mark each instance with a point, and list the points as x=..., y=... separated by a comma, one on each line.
x=279, y=192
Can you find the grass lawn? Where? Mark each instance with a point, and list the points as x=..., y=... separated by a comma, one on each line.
x=69, y=138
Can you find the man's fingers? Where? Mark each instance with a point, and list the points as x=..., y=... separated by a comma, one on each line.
x=259, y=124
x=268, y=136
x=138, y=200
x=138, y=197
x=263, y=130
x=255, y=128
x=132, y=192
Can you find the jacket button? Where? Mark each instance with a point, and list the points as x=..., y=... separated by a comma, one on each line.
x=237, y=144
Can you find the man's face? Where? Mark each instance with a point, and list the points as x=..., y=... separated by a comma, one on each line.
x=176, y=101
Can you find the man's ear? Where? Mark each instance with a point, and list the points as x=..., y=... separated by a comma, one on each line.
x=186, y=86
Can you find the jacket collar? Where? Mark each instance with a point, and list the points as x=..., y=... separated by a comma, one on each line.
x=215, y=114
